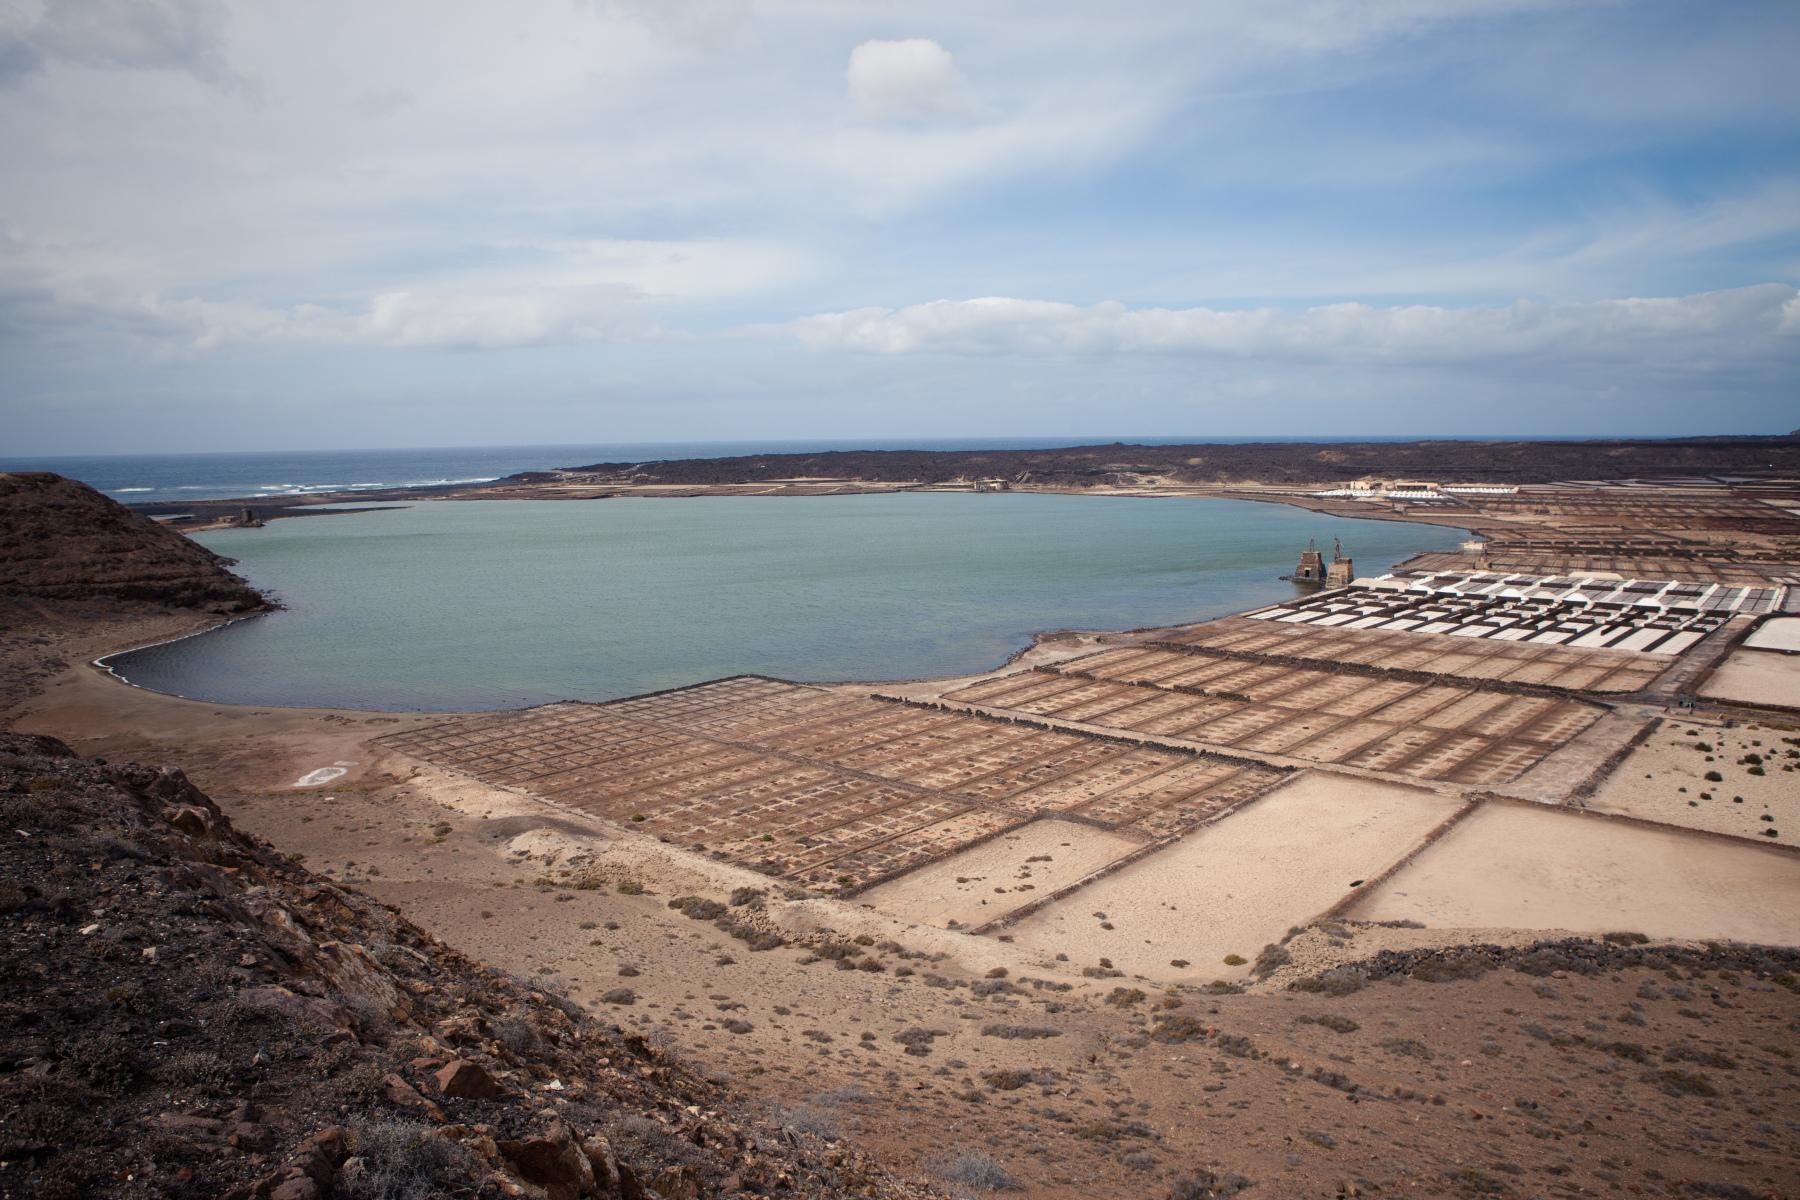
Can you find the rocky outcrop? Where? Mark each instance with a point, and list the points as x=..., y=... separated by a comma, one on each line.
x=184, y=1012
x=62, y=541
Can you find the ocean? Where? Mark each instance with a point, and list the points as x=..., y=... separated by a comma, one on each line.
x=173, y=478
x=496, y=604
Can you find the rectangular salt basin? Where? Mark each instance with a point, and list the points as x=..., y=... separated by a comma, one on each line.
x=1214, y=893
x=1641, y=640
x=933, y=894
x=1532, y=867
x=1679, y=642
x=1778, y=633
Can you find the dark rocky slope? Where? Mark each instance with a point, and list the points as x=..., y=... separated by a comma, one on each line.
x=63, y=541
x=186, y=1013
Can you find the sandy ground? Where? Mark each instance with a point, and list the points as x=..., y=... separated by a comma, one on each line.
x=1777, y=633
x=1665, y=780
x=1103, y=1108
x=1757, y=677
x=988, y=881
x=1536, y=867
x=1236, y=886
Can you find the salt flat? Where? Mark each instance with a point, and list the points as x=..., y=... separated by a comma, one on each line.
x=1233, y=887
x=1781, y=633
x=1756, y=677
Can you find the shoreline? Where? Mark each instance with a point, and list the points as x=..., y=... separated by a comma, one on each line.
x=1032, y=639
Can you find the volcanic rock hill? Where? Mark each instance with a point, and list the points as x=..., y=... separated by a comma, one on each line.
x=186, y=1013
x=1266, y=462
x=63, y=541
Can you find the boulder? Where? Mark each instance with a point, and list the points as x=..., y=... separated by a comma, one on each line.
x=468, y=1081
x=554, y=1162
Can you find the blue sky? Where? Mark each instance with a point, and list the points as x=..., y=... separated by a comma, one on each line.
x=246, y=226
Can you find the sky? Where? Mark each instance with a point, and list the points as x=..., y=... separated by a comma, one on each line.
x=236, y=226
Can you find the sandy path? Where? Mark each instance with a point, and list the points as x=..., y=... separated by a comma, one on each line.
x=1665, y=780
x=987, y=881
x=1529, y=867
x=1757, y=677
x=1238, y=885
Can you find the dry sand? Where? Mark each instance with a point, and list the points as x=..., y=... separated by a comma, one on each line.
x=1236, y=886
x=1531, y=867
x=1757, y=677
x=987, y=881
x=1665, y=780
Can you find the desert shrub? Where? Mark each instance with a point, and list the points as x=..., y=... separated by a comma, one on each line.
x=631, y=888
x=1124, y=997
x=972, y=1168
x=1108, y=1129
x=104, y=1062
x=1713, y=777
x=1020, y=1031
x=1546, y=960
x=1208, y=1185
x=1008, y=1079
x=405, y=1160
x=205, y=1072
x=619, y=995
x=1339, y=981
x=1178, y=1027
x=1683, y=1052
x=1626, y=939
x=361, y=1084
x=697, y=907
x=516, y=1035
x=1408, y=1048
x=747, y=897
x=1235, y=960
x=1472, y=1182
x=1447, y=968
x=1331, y=1021
x=1269, y=959
x=805, y=1118
x=1681, y=1083
x=918, y=1040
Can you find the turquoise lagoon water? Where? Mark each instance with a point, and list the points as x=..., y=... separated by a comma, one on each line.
x=453, y=606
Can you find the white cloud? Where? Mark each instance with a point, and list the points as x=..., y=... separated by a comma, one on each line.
x=500, y=321
x=528, y=293
x=905, y=80
x=1756, y=321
